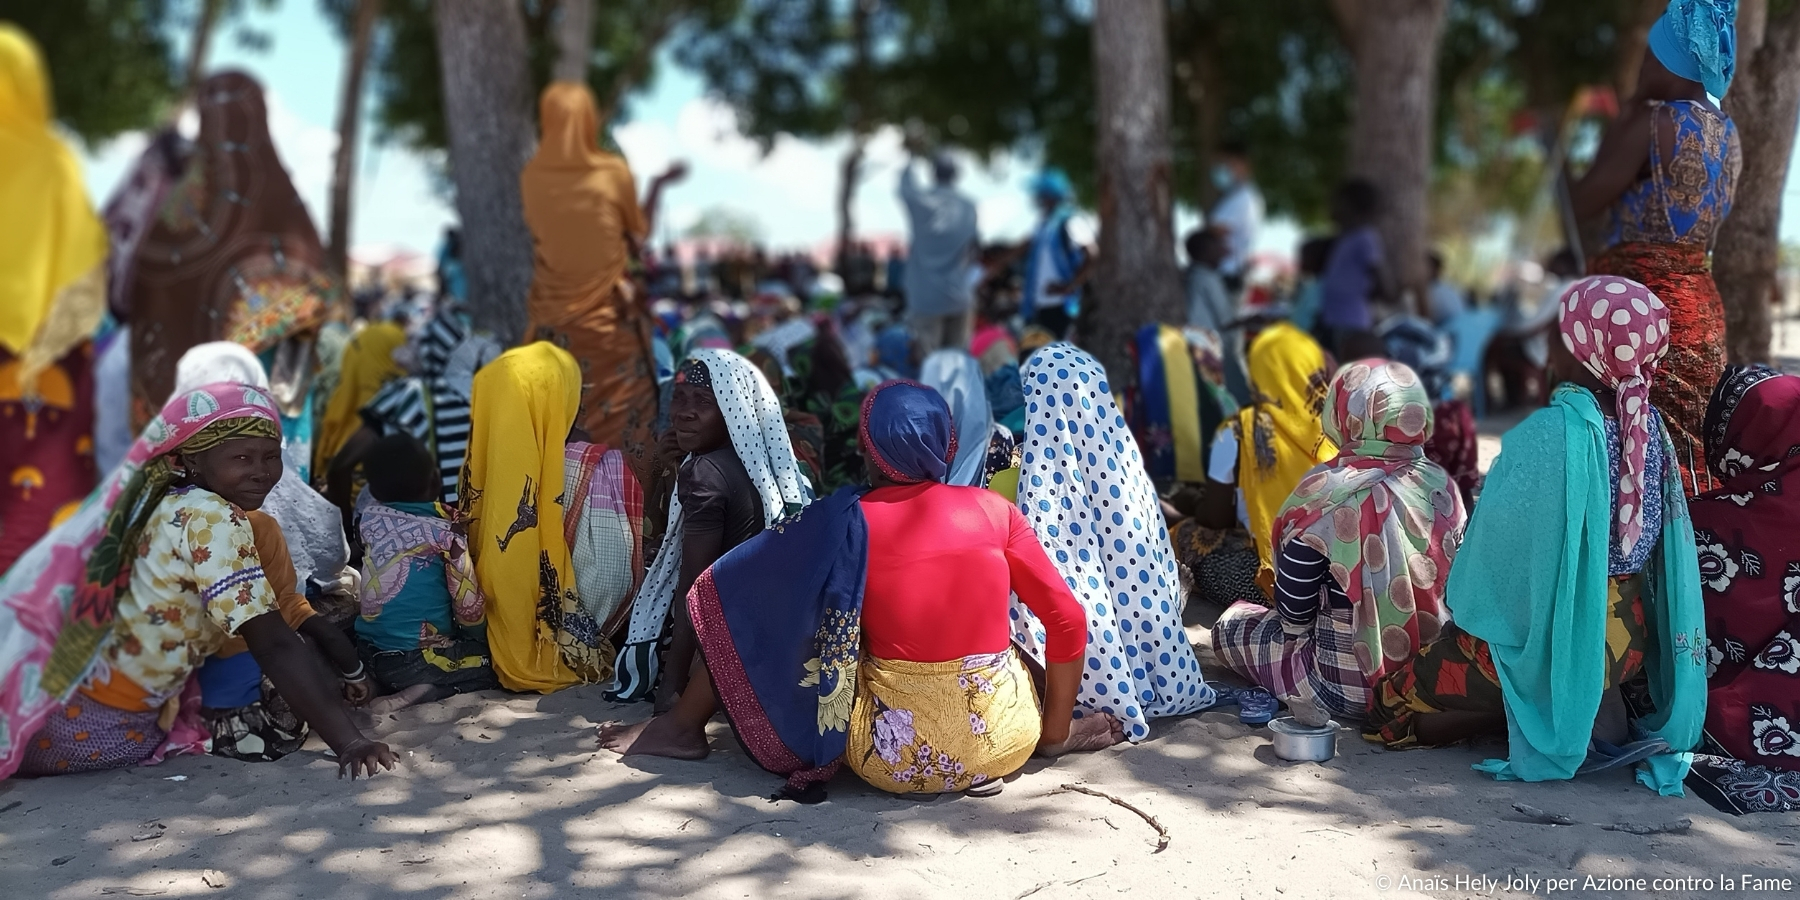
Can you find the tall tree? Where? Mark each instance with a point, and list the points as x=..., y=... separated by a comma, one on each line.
x=487, y=113
x=1136, y=279
x=1395, y=45
x=1764, y=102
x=363, y=18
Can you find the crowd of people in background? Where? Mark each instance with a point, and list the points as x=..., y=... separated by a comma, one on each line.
x=889, y=515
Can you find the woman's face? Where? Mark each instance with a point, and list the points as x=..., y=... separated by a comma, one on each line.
x=243, y=471
x=698, y=423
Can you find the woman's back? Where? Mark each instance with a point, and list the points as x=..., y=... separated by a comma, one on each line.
x=1695, y=157
x=943, y=561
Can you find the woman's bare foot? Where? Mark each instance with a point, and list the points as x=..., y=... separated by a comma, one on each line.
x=656, y=736
x=1094, y=731
x=392, y=703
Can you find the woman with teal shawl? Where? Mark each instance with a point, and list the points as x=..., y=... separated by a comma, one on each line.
x=1564, y=586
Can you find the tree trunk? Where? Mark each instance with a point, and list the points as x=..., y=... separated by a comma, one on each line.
x=1764, y=101
x=343, y=174
x=201, y=44
x=1635, y=19
x=1395, y=45
x=1135, y=279
x=849, y=173
x=574, y=39
x=487, y=111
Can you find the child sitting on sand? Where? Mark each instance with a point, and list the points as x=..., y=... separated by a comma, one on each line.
x=423, y=627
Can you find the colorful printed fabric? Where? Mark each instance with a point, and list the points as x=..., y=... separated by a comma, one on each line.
x=1619, y=331
x=1531, y=580
x=1168, y=408
x=47, y=461
x=400, y=548
x=1687, y=197
x=1750, y=567
x=512, y=495
x=1456, y=672
x=1280, y=435
x=939, y=727
x=1320, y=666
x=1222, y=561
x=1739, y=788
x=759, y=436
x=1389, y=519
x=1083, y=488
x=779, y=620
x=820, y=384
x=605, y=530
x=262, y=730
x=1455, y=445
x=957, y=376
x=88, y=736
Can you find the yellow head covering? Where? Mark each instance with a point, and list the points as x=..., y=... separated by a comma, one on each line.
x=512, y=494
x=367, y=365
x=52, y=246
x=1281, y=434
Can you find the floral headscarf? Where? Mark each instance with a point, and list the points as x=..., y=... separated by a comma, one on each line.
x=1388, y=518
x=1619, y=331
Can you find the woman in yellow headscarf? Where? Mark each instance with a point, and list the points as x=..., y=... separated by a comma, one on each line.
x=513, y=497
x=1257, y=459
x=52, y=296
x=368, y=363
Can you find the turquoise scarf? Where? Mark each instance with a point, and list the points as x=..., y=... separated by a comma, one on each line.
x=1546, y=624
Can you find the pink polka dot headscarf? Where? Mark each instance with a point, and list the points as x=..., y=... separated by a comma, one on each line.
x=1619, y=331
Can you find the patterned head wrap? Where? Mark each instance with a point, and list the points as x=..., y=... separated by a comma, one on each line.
x=694, y=372
x=906, y=432
x=1697, y=40
x=1619, y=331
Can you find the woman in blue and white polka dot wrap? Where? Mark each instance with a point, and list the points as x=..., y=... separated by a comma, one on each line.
x=1083, y=488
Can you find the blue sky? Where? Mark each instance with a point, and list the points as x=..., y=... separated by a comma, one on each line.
x=791, y=191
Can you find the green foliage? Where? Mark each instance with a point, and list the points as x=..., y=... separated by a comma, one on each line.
x=112, y=67
x=627, y=34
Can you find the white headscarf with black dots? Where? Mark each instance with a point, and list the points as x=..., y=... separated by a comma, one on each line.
x=759, y=435
x=1083, y=488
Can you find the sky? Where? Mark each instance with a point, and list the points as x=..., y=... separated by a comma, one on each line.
x=791, y=191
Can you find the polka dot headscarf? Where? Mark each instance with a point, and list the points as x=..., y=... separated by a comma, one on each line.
x=1619, y=331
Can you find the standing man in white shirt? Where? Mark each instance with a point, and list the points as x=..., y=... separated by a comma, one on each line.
x=1237, y=216
x=945, y=243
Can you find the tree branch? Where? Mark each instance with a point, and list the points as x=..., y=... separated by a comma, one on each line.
x=634, y=70
x=1349, y=15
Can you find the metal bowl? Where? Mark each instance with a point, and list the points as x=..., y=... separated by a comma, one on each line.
x=1301, y=743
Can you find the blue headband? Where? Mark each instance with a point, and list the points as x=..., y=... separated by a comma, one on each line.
x=1697, y=40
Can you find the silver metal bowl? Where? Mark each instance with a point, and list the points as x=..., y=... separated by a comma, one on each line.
x=1301, y=743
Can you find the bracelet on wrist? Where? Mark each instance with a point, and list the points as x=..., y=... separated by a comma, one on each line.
x=358, y=675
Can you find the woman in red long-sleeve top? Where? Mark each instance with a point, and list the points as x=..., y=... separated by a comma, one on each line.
x=873, y=630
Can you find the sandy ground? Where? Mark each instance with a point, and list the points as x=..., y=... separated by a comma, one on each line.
x=505, y=796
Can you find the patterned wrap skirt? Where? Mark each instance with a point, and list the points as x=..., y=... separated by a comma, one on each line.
x=931, y=728
x=1318, y=666
x=87, y=736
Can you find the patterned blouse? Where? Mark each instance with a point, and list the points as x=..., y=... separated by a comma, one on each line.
x=196, y=580
x=1684, y=201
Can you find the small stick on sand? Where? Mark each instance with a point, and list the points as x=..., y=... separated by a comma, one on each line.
x=1162, y=839
x=1541, y=817
x=1679, y=826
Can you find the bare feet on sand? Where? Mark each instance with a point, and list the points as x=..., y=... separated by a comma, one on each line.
x=656, y=736
x=392, y=703
x=1094, y=731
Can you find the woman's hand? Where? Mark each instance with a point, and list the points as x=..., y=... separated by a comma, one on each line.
x=357, y=693
x=1094, y=731
x=362, y=756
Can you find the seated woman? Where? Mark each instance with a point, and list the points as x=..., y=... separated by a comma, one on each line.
x=112, y=612
x=1256, y=460
x=423, y=627
x=1380, y=523
x=1748, y=529
x=1083, y=488
x=1577, y=573
x=739, y=476
x=513, y=490
x=1173, y=407
x=984, y=447
x=917, y=571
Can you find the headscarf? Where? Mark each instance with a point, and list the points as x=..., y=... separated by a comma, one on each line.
x=58, y=603
x=1280, y=434
x=759, y=436
x=311, y=525
x=1697, y=40
x=1747, y=543
x=52, y=246
x=1618, y=330
x=957, y=376
x=232, y=255
x=512, y=495
x=604, y=526
x=1054, y=183
x=1083, y=488
x=368, y=364
x=1389, y=519
x=906, y=430
x=893, y=349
